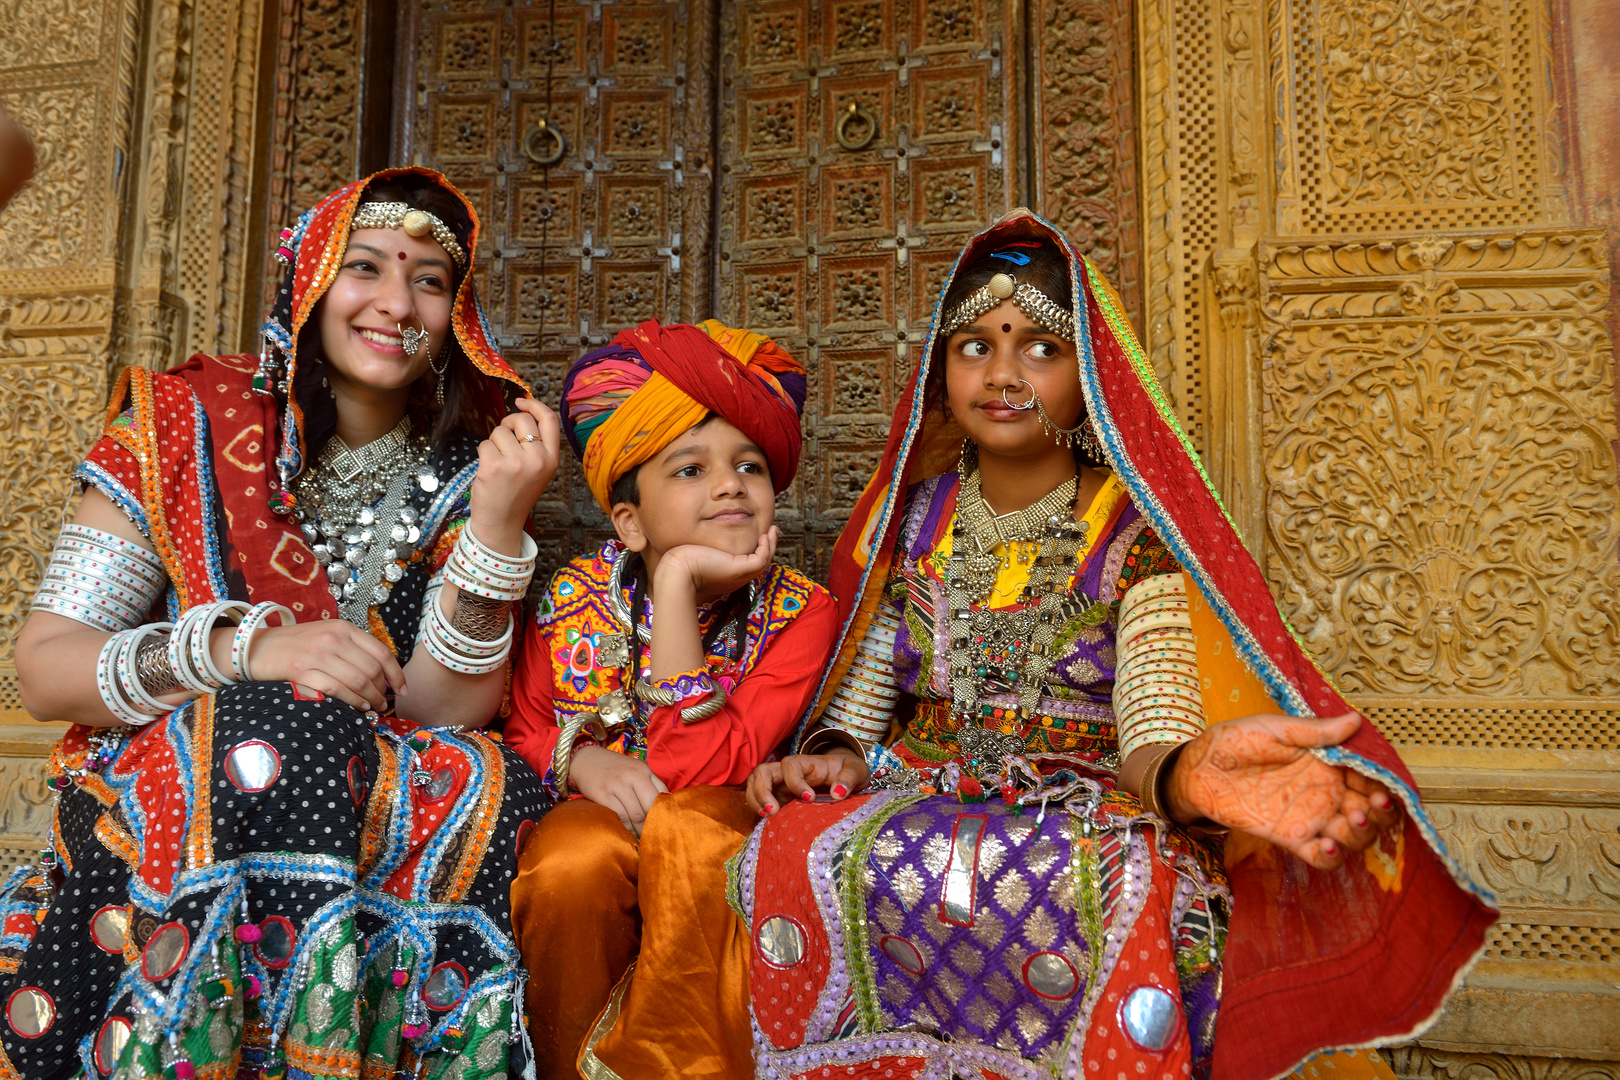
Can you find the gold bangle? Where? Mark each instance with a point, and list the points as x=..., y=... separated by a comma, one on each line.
x=824, y=739
x=1150, y=796
x=562, y=757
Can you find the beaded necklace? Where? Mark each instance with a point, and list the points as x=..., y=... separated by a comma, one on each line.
x=1008, y=649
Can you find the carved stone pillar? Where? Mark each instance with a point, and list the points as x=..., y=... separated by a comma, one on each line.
x=128, y=247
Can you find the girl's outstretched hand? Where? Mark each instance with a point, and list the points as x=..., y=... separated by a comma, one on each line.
x=1258, y=775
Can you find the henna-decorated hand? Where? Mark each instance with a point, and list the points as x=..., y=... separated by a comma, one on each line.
x=1258, y=775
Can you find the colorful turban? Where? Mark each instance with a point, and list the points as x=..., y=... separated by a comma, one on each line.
x=624, y=403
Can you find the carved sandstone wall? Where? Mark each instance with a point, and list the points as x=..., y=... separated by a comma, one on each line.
x=1362, y=239
x=1367, y=291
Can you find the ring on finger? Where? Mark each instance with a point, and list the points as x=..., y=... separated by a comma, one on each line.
x=531, y=438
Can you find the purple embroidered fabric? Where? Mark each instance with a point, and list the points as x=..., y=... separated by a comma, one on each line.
x=988, y=932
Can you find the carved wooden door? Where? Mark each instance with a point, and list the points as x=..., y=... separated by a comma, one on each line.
x=861, y=142
x=589, y=233
x=808, y=170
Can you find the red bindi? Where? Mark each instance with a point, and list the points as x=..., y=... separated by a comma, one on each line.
x=402, y=256
x=1006, y=327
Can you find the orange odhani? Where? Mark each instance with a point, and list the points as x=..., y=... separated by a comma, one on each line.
x=1074, y=933
x=262, y=878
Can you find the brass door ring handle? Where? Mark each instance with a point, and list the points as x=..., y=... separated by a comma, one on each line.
x=857, y=112
x=531, y=145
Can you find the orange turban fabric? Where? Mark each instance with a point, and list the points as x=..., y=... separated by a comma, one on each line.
x=624, y=403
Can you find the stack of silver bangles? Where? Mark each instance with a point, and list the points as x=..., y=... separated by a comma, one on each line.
x=100, y=579
x=477, y=570
x=132, y=677
x=108, y=583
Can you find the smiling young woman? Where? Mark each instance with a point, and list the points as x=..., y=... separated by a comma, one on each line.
x=286, y=596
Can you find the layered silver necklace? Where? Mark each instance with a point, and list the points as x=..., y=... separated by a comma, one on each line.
x=354, y=507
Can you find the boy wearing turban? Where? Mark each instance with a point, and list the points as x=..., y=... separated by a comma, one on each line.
x=685, y=435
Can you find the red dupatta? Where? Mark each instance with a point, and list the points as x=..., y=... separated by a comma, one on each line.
x=1362, y=956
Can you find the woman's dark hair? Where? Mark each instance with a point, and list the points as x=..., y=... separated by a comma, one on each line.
x=458, y=413
x=1047, y=269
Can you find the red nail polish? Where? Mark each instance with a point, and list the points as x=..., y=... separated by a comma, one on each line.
x=768, y=811
x=1329, y=848
x=808, y=796
x=839, y=791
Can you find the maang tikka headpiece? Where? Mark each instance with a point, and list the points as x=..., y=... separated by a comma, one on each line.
x=1040, y=308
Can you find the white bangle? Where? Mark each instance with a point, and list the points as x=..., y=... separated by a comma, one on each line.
x=461, y=654
x=128, y=680
x=202, y=640
x=476, y=569
x=522, y=566
x=252, y=623
x=473, y=647
x=190, y=655
x=107, y=682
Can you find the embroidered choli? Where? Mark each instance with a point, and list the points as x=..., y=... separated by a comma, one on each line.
x=787, y=636
x=906, y=650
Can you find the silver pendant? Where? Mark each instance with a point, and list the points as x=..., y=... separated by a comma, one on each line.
x=337, y=573
x=379, y=593
x=355, y=556
x=427, y=482
x=614, y=707
x=614, y=651
x=393, y=571
x=323, y=554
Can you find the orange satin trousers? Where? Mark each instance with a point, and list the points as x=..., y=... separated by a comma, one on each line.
x=589, y=900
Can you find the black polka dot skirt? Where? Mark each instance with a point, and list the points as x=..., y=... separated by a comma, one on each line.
x=267, y=884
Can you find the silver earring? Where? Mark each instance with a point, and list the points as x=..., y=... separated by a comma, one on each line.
x=438, y=375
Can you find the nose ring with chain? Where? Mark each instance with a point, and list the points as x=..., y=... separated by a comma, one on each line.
x=415, y=340
x=1026, y=406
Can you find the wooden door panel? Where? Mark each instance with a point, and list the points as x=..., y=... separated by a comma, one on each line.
x=618, y=230
x=837, y=249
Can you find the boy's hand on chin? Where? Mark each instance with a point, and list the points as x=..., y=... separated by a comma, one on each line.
x=713, y=572
x=625, y=785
